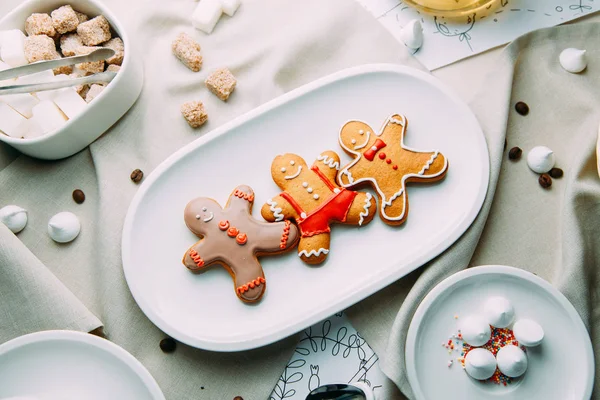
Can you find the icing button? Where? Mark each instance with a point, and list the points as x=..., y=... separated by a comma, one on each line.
x=303, y=215
x=305, y=184
x=395, y=167
x=242, y=238
x=309, y=190
x=316, y=197
x=382, y=155
x=374, y=148
x=232, y=232
x=197, y=216
x=389, y=161
x=223, y=225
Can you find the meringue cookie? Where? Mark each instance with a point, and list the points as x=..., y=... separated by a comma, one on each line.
x=64, y=227
x=529, y=333
x=475, y=330
x=512, y=361
x=412, y=34
x=499, y=312
x=573, y=60
x=480, y=364
x=540, y=159
x=14, y=217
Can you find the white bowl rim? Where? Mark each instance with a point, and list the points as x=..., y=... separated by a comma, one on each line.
x=115, y=24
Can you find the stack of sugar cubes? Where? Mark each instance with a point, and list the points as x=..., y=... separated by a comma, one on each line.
x=62, y=33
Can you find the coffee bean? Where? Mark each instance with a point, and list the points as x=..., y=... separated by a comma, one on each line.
x=522, y=108
x=556, y=173
x=238, y=398
x=515, y=153
x=545, y=181
x=168, y=345
x=137, y=175
x=78, y=196
x=505, y=144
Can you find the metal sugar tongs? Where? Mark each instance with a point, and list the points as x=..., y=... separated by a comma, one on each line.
x=96, y=55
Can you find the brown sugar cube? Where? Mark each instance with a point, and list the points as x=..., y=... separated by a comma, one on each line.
x=194, y=113
x=39, y=24
x=81, y=17
x=93, y=92
x=94, y=31
x=69, y=44
x=113, y=68
x=92, y=67
x=64, y=19
x=115, y=44
x=40, y=48
x=67, y=70
x=221, y=83
x=187, y=50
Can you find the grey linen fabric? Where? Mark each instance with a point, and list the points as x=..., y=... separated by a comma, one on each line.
x=271, y=47
x=553, y=233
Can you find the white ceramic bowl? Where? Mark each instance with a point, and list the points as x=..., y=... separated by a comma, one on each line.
x=104, y=111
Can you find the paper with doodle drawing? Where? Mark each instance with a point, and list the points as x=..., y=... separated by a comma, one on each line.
x=446, y=42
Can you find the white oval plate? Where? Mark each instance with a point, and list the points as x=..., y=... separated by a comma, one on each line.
x=67, y=365
x=561, y=368
x=202, y=310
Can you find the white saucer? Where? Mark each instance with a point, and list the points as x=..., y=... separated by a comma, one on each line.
x=561, y=368
x=66, y=365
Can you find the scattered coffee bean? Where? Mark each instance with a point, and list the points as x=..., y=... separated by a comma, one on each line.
x=545, y=181
x=522, y=108
x=168, y=345
x=505, y=144
x=137, y=175
x=201, y=387
x=238, y=398
x=78, y=196
x=515, y=153
x=556, y=173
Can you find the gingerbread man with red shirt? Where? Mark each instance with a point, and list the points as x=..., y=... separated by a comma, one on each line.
x=384, y=162
x=231, y=237
x=312, y=198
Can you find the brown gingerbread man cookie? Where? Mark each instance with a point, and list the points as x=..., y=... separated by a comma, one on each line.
x=312, y=198
x=384, y=162
x=232, y=238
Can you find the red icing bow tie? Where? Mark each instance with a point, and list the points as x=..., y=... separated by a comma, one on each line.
x=370, y=153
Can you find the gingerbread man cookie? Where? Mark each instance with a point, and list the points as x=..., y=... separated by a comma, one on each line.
x=383, y=161
x=232, y=238
x=312, y=198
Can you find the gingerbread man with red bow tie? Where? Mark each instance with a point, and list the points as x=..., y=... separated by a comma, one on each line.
x=383, y=161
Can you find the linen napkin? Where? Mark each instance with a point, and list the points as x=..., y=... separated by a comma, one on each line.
x=271, y=47
x=552, y=232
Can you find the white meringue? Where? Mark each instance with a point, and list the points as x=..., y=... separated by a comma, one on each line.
x=573, y=60
x=512, y=361
x=480, y=364
x=412, y=34
x=529, y=333
x=540, y=159
x=475, y=330
x=14, y=217
x=498, y=312
x=64, y=227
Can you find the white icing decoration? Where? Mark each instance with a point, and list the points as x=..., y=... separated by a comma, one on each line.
x=316, y=197
x=313, y=252
x=309, y=190
x=204, y=209
x=295, y=175
x=336, y=190
x=330, y=162
x=431, y=160
x=366, y=207
x=353, y=141
x=303, y=215
x=360, y=146
x=352, y=181
x=283, y=169
x=374, y=148
x=198, y=216
x=305, y=184
x=292, y=162
x=361, y=132
x=396, y=121
x=275, y=210
x=209, y=218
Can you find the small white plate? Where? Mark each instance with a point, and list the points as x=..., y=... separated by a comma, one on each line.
x=561, y=368
x=67, y=365
x=202, y=310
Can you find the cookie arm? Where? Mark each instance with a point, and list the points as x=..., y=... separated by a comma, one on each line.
x=241, y=199
x=394, y=129
x=277, y=237
x=328, y=162
x=277, y=209
x=200, y=256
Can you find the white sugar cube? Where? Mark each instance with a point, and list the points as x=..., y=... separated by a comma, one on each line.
x=230, y=6
x=12, y=123
x=206, y=15
x=23, y=103
x=48, y=116
x=12, y=49
x=32, y=129
x=70, y=102
x=6, y=82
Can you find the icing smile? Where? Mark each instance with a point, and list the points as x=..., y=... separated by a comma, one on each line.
x=360, y=146
x=209, y=218
x=296, y=174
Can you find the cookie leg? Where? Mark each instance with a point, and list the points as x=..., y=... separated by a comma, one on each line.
x=362, y=210
x=394, y=208
x=314, y=249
